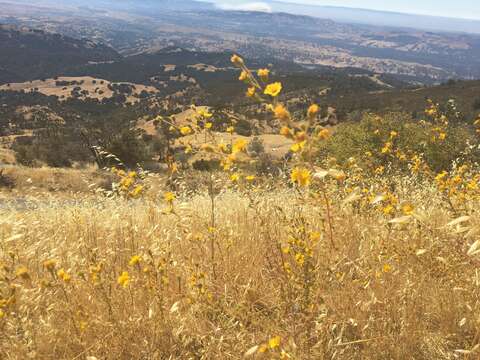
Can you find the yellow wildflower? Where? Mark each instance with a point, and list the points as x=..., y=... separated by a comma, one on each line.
x=123, y=279
x=208, y=125
x=227, y=163
x=315, y=236
x=222, y=147
x=407, y=209
x=237, y=60
x=324, y=134
x=274, y=342
x=472, y=185
x=441, y=176
x=300, y=176
x=401, y=156
x=137, y=191
x=239, y=145
x=211, y=229
x=389, y=209
x=251, y=91
x=126, y=182
x=340, y=176
x=297, y=147
x=386, y=268
x=263, y=74
x=313, y=111
x=457, y=179
x=185, y=130
x=263, y=348
x=285, y=131
x=250, y=178
x=62, y=274
x=243, y=76
x=273, y=89
x=300, y=259
x=235, y=177
x=135, y=260
x=387, y=148
x=169, y=197
x=281, y=112
x=230, y=129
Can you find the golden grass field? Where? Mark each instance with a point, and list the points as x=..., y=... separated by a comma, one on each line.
x=153, y=279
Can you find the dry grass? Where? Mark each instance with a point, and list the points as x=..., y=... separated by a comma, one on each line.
x=47, y=180
x=7, y=156
x=386, y=291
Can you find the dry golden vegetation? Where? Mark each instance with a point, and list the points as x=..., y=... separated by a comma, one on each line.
x=118, y=280
x=374, y=258
x=37, y=181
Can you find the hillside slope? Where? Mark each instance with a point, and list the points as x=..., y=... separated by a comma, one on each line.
x=29, y=54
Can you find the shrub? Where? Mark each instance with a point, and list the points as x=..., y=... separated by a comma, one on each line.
x=354, y=139
x=256, y=146
x=6, y=181
x=476, y=104
x=130, y=148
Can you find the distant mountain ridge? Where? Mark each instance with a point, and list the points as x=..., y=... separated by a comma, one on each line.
x=373, y=17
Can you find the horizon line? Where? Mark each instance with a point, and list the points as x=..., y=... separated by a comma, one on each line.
x=360, y=9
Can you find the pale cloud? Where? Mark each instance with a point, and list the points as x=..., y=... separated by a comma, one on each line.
x=252, y=6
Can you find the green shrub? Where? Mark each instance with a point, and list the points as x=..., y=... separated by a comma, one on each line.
x=129, y=146
x=355, y=139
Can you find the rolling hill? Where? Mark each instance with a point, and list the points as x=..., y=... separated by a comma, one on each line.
x=29, y=54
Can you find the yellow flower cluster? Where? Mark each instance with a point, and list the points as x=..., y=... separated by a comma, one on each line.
x=130, y=184
x=461, y=185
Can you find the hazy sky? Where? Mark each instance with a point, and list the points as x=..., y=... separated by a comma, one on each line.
x=458, y=8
